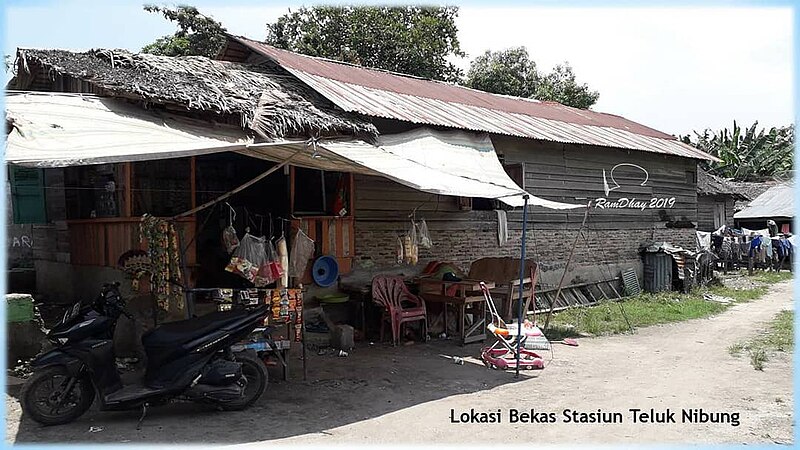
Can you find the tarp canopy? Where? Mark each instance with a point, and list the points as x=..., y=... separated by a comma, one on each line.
x=59, y=130
x=441, y=162
x=777, y=201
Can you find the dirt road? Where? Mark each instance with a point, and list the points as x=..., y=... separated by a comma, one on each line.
x=406, y=394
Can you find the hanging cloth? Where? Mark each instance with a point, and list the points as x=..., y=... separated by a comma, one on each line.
x=502, y=227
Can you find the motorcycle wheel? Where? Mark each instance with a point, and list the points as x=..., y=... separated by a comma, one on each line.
x=39, y=396
x=255, y=372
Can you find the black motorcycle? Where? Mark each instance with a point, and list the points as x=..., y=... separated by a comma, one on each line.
x=188, y=360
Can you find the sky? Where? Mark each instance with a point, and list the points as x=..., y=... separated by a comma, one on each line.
x=676, y=69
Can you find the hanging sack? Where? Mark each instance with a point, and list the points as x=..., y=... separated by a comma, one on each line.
x=302, y=251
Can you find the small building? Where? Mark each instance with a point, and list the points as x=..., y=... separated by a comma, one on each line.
x=716, y=201
x=776, y=203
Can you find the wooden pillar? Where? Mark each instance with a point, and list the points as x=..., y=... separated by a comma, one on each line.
x=193, y=180
x=352, y=194
x=127, y=173
x=291, y=189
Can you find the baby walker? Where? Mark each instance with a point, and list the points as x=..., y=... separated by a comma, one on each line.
x=503, y=353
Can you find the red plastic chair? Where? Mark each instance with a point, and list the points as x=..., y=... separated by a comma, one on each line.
x=399, y=305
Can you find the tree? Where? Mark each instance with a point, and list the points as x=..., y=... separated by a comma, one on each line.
x=749, y=156
x=560, y=86
x=509, y=72
x=197, y=35
x=415, y=40
x=512, y=72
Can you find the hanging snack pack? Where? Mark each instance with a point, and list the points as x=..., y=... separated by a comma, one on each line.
x=302, y=251
x=410, y=247
x=248, y=257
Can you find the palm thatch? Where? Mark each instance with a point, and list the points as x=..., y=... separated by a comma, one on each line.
x=267, y=102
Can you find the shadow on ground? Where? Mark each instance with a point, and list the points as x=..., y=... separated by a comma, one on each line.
x=373, y=381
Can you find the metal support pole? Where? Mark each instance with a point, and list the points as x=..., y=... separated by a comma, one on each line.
x=521, y=278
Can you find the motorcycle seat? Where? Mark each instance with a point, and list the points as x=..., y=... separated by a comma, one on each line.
x=182, y=331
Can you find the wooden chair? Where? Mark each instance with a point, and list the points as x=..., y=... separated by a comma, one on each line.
x=399, y=305
x=504, y=272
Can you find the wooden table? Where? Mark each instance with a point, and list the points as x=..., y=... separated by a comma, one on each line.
x=468, y=298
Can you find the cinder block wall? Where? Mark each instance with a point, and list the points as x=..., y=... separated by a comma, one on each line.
x=605, y=255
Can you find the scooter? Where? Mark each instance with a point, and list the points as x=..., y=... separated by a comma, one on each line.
x=186, y=360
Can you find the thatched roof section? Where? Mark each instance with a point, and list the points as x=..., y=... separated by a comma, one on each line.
x=708, y=184
x=272, y=104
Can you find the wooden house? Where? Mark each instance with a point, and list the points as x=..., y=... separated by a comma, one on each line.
x=636, y=184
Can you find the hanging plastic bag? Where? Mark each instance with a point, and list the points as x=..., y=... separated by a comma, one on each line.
x=283, y=257
x=230, y=239
x=302, y=251
x=274, y=261
x=248, y=257
x=423, y=236
x=410, y=248
x=399, y=251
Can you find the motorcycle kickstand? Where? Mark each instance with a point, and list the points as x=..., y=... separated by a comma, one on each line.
x=141, y=418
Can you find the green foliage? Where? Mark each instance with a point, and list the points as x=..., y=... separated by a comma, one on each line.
x=197, y=35
x=747, y=155
x=650, y=309
x=415, y=40
x=773, y=277
x=642, y=310
x=508, y=72
x=512, y=72
x=560, y=86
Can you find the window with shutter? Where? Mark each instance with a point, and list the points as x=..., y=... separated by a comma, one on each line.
x=27, y=194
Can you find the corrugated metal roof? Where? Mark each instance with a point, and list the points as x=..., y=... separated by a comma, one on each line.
x=777, y=201
x=385, y=94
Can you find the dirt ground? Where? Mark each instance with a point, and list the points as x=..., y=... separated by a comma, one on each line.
x=382, y=395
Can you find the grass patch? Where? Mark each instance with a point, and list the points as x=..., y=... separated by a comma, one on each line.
x=642, y=310
x=778, y=337
x=739, y=295
x=772, y=277
x=650, y=309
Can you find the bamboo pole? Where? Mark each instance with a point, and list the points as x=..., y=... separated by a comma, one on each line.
x=566, y=267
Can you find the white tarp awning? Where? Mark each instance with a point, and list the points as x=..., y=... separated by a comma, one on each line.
x=441, y=162
x=59, y=130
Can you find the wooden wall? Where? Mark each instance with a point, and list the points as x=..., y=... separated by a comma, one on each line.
x=570, y=174
x=574, y=174
x=705, y=211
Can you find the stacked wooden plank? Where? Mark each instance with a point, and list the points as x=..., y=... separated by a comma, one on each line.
x=580, y=294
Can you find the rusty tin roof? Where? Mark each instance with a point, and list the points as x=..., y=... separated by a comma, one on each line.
x=390, y=95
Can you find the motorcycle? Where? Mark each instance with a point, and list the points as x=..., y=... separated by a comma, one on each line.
x=186, y=360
